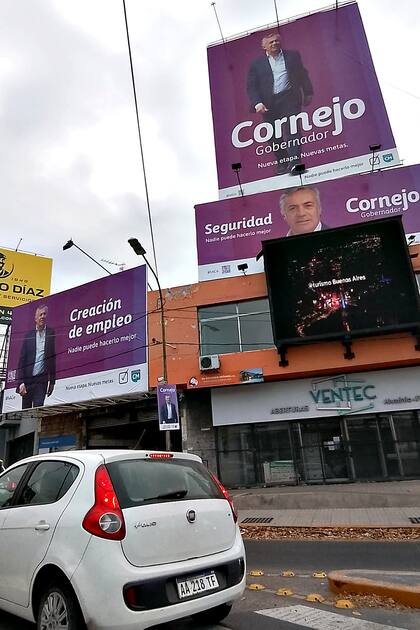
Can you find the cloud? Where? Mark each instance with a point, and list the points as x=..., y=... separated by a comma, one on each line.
x=69, y=154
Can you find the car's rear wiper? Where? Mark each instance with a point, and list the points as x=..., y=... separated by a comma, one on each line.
x=176, y=494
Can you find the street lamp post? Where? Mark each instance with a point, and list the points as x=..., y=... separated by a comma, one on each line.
x=140, y=251
x=71, y=243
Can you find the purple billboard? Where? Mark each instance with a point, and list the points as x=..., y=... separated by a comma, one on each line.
x=230, y=232
x=305, y=92
x=86, y=343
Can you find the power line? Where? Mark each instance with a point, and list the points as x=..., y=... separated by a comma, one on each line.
x=140, y=138
x=190, y=314
x=198, y=344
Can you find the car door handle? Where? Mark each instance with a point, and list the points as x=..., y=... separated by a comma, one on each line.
x=42, y=526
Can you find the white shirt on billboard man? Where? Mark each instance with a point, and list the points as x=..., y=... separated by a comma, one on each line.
x=301, y=209
x=168, y=413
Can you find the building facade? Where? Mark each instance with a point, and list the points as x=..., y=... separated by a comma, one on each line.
x=322, y=418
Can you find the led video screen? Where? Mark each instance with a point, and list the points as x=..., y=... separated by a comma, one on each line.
x=352, y=281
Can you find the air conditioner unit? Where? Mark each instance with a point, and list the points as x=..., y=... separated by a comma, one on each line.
x=209, y=362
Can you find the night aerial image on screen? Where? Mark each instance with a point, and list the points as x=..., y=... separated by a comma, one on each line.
x=343, y=287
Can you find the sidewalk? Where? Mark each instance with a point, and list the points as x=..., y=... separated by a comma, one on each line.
x=360, y=506
x=392, y=504
x=340, y=517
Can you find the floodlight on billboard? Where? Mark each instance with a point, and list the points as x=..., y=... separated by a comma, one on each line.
x=338, y=284
x=230, y=231
x=303, y=93
x=23, y=278
x=83, y=344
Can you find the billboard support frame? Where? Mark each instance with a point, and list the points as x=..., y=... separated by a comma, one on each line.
x=347, y=343
x=282, y=350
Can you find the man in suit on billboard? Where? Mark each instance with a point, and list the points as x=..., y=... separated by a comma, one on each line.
x=279, y=86
x=168, y=411
x=36, y=367
x=301, y=209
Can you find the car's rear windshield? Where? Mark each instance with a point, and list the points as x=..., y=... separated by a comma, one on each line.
x=145, y=481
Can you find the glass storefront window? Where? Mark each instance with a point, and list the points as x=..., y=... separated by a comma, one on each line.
x=235, y=327
x=254, y=306
x=222, y=310
x=365, y=447
x=256, y=332
x=236, y=455
x=274, y=453
x=371, y=447
x=323, y=450
x=311, y=453
x=407, y=430
x=389, y=447
x=407, y=426
x=219, y=336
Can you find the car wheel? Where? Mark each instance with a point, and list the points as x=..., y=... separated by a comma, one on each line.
x=213, y=615
x=59, y=610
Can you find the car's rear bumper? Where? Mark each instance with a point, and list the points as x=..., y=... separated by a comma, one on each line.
x=163, y=591
x=101, y=596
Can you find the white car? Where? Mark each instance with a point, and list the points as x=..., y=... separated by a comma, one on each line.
x=117, y=539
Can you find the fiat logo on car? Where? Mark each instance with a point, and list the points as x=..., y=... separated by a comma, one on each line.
x=191, y=516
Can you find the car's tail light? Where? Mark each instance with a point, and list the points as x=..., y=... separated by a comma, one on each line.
x=226, y=495
x=131, y=597
x=105, y=519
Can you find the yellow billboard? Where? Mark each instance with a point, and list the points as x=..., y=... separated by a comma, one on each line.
x=23, y=278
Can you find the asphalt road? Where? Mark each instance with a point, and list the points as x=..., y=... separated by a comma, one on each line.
x=304, y=558
x=328, y=555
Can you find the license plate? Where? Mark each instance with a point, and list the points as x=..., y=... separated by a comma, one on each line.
x=196, y=585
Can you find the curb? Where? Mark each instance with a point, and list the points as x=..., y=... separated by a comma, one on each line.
x=364, y=583
x=330, y=526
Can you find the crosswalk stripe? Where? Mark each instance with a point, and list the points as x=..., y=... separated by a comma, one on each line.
x=320, y=619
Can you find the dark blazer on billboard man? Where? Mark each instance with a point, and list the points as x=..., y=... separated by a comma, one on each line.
x=324, y=226
x=27, y=357
x=260, y=80
x=164, y=414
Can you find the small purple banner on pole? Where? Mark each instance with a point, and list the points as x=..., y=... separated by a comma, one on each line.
x=168, y=407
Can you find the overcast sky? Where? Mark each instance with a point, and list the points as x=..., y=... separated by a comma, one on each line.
x=69, y=156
